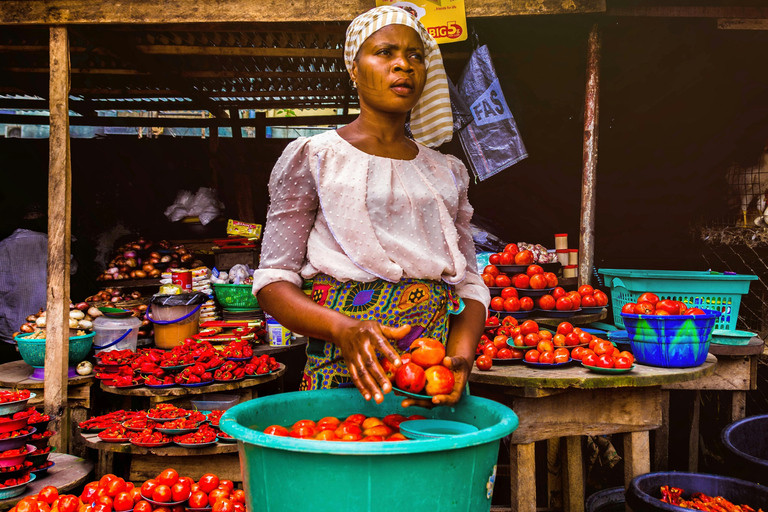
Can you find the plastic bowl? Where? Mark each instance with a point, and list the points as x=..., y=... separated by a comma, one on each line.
x=33, y=350
x=644, y=495
x=747, y=442
x=16, y=490
x=11, y=443
x=451, y=473
x=672, y=341
x=15, y=460
x=725, y=337
x=8, y=408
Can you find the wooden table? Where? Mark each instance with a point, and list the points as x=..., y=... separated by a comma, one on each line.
x=67, y=473
x=571, y=402
x=573, y=320
x=16, y=375
x=736, y=372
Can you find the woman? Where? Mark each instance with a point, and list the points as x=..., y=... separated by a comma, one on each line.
x=380, y=222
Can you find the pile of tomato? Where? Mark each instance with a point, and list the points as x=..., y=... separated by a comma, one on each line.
x=650, y=304
x=422, y=369
x=511, y=255
x=356, y=427
x=112, y=493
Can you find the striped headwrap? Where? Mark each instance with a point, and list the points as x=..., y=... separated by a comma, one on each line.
x=431, y=117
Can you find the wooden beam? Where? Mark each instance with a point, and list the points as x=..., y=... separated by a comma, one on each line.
x=241, y=51
x=59, y=226
x=176, y=122
x=75, y=12
x=742, y=24
x=689, y=12
x=589, y=158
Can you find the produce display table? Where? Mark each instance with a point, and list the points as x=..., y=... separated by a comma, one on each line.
x=163, y=395
x=574, y=320
x=736, y=372
x=67, y=473
x=16, y=375
x=570, y=402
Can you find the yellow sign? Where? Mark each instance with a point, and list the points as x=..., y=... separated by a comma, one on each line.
x=446, y=20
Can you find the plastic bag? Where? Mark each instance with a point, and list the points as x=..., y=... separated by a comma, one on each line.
x=203, y=204
x=491, y=141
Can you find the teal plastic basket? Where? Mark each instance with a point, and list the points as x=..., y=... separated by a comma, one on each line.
x=705, y=290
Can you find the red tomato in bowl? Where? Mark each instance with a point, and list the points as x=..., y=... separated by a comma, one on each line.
x=670, y=306
x=503, y=280
x=532, y=356
x=589, y=358
x=529, y=327
x=484, y=363
x=492, y=270
x=585, y=289
x=512, y=304
x=494, y=259
x=564, y=304
x=628, y=308
x=601, y=298
x=648, y=297
x=198, y=499
x=497, y=304
x=605, y=361
x=168, y=477
x=644, y=308
x=547, y=302
x=508, y=293
x=526, y=303
x=622, y=362
x=533, y=270
x=208, y=482
x=551, y=278
x=537, y=282
x=162, y=493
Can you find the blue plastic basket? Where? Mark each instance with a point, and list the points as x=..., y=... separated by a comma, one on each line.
x=705, y=290
x=671, y=341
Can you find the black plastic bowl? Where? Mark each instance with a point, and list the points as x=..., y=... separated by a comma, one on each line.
x=644, y=494
x=747, y=441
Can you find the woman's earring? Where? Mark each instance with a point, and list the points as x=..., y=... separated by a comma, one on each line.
x=352, y=84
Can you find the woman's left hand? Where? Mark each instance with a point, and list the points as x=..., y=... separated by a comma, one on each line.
x=461, y=369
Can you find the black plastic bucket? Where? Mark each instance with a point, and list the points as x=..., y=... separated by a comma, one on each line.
x=607, y=500
x=644, y=494
x=747, y=442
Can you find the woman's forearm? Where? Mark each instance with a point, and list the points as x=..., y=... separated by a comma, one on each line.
x=291, y=307
x=465, y=330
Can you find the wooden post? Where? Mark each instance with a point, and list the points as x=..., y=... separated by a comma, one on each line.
x=522, y=468
x=59, y=226
x=589, y=158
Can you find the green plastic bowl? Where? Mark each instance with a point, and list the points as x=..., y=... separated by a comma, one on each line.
x=727, y=337
x=453, y=473
x=33, y=350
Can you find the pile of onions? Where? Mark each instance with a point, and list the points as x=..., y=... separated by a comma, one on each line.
x=139, y=260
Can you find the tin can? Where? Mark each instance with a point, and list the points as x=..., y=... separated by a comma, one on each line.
x=561, y=241
x=182, y=278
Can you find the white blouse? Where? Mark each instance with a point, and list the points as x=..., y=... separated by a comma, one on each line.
x=339, y=211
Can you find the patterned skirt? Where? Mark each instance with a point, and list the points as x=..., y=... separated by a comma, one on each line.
x=424, y=305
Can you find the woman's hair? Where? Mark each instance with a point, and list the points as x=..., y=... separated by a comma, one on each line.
x=431, y=117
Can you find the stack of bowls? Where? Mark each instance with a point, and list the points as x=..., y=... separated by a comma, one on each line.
x=14, y=448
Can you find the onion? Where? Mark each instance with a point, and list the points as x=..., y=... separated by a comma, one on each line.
x=94, y=312
x=107, y=277
x=76, y=314
x=31, y=318
x=112, y=270
x=138, y=274
x=186, y=257
x=85, y=324
x=142, y=308
x=119, y=262
x=147, y=267
x=73, y=323
x=133, y=274
x=129, y=254
x=115, y=299
x=82, y=306
x=165, y=259
x=131, y=262
x=154, y=261
x=155, y=273
x=135, y=295
x=27, y=327
x=115, y=292
x=154, y=255
x=137, y=246
x=124, y=269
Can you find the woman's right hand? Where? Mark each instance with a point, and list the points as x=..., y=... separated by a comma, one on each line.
x=359, y=343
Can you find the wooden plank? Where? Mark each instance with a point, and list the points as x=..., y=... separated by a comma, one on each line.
x=93, y=441
x=661, y=437
x=573, y=475
x=522, y=469
x=67, y=473
x=17, y=373
x=241, y=51
x=226, y=466
x=554, y=474
x=59, y=226
x=636, y=455
x=693, y=435
x=583, y=412
x=738, y=405
x=589, y=157
x=732, y=373
x=754, y=347
x=690, y=11
x=331, y=75
x=77, y=444
x=178, y=11
x=176, y=122
x=105, y=463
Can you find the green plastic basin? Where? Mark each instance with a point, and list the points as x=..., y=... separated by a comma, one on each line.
x=282, y=474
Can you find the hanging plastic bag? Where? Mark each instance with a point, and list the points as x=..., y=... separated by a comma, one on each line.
x=491, y=141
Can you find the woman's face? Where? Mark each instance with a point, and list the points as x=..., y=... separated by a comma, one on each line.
x=390, y=70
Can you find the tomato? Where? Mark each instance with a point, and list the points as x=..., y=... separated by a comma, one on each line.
x=558, y=340
x=585, y=289
x=564, y=304
x=508, y=293
x=604, y=347
x=483, y=363
x=521, y=281
x=628, y=355
x=198, y=499
x=528, y=327
x=89, y=492
x=148, y=487
x=545, y=335
x=26, y=505
x=547, y=302
x=180, y=492
x=101, y=507
x=648, y=297
x=427, y=352
x=577, y=352
x=533, y=270
x=239, y=507
x=622, y=362
x=524, y=257
x=588, y=301
x=500, y=342
x=68, y=503
x=142, y=506
x=491, y=321
x=494, y=259
x=48, y=494
x=410, y=377
x=489, y=280
x=575, y=299
x=558, y=292
x=440, y=381
x=123, y=502
x=348, y=428
x=511, y=248
x=115, y=487
x=545, y=346
x=43, y=506
x=135, y=494
x=511, y=304
x=504, y=353
x=103, y=481
x=223, y=505
x=503, y=280
x=518, y=341
x=162, y=493
x=589, y=358
x=393, y=420
x=551, y=279
x=509, y=322
x=605, y=361
x=517, y=353
x=491, y=269
x=507, y=258
x=531, y=340
x=216, y=495
x=326, y=435
x=670, y=306
x=490, y=351
x=601, y=298
x=497, y=304
x=547, y=357
x=274, y=430
x=693, y=311
x=532, y=356
x=302, y=432
x=526, y=303
x=562, y=358
x=628, y=308
x=644, y=308
x=238, y=495
x=186, y=480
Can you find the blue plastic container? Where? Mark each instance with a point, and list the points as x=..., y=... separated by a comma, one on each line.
x=747, y=441
x=705, y=290
x=446, y=474
x=672, y=341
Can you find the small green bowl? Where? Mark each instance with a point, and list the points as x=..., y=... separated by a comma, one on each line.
x=726, y=337
x=33, y=350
